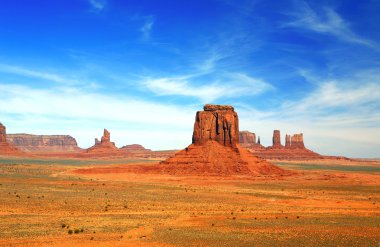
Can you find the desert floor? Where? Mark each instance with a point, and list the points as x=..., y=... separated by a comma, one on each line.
x=326, y=203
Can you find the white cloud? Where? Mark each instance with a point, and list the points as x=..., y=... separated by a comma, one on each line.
x=35, y=74
x=338, y=117
x=234, y=85
x=97, y=5
x=330, y=96
x=146, y=29
x=59, y=109
x=329, y=23
x=51, y=77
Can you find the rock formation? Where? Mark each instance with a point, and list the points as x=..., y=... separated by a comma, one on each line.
x=3, y=134
x=135, y=148
x=218, y=123
x=5, y=147
x=297, y=141
x=106, y=138
x=105, y=147
x=215, y=149
x=294, y=149
x=248, y=140
x=247, y=137
x=97, y=141
x=287, y=141
x=276, y=139
x=43, y=143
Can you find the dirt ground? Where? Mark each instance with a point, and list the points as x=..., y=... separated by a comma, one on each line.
x=49, y=202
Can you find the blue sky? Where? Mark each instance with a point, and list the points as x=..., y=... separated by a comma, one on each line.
x=143, y=68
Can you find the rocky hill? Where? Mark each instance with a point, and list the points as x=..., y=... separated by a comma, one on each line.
x=215, y=149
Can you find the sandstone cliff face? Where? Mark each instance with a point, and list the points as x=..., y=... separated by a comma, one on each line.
x=218, y=123
x=215, y=149
x=5, y=147
x=287, y=141
x=43, y=143
x=276, y=139
x=297, y=141
x=247, y=137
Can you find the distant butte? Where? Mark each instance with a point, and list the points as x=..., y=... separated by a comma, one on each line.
x=294, y=148
x=43, y=143
x=215, y=149
x=104, y=147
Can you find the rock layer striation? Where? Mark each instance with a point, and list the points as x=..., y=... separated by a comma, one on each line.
x=43, y=143
x=216, y=122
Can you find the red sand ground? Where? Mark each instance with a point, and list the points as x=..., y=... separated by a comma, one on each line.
x=118, y=205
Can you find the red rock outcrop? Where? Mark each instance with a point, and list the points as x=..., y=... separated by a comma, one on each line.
x=215, y=149
x=105, y=147
x=106, y=138
x=297, y=141
x=5, y=147
x=276, y=139
x=287, y=141
x=135, y=148
x=43, y=143
x=216, y=122
x=138, y=150
x=248, y=140
x=3, y=133
x=294, y=149
x=247, y=137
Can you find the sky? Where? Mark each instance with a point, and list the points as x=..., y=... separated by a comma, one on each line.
x=143, y=68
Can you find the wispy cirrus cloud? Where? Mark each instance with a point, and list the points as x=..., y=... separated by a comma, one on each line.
x=97, y=5
x=231, y=85
x=147, y=27
x=47, y=76
x=327, y=22
x=333, y=97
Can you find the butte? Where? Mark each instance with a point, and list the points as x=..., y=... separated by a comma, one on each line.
x=103, y=148
x=215, y=148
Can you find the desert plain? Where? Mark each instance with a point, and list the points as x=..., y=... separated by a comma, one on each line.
x=99, y=202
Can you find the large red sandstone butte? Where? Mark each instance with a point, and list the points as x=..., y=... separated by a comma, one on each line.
x=218, y=123
x=215, y=149
x=5, y=147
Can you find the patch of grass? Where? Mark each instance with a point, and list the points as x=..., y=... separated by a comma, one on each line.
x=344, y=168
